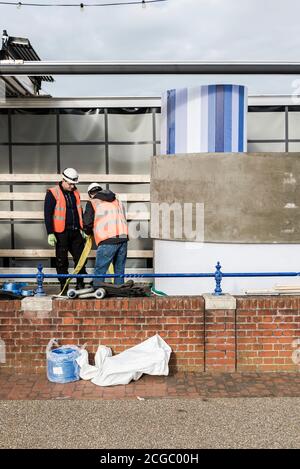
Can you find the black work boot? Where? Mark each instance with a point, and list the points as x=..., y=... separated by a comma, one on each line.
x=80, y=284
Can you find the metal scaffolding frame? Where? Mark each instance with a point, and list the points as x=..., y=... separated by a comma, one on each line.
x=38, y=68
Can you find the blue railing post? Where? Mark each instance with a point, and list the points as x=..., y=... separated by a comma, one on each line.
x=39, y=279
x=218, y=279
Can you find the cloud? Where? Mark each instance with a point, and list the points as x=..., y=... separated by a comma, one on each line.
x=212, y=30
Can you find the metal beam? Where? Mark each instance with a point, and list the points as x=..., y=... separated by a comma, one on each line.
x=38, y=68
x=42, y=102
x=79, y=102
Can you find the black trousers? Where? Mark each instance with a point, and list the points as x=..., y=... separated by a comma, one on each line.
x=69, y=241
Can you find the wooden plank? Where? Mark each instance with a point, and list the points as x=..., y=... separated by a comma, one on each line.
x=84, y=178
x=44, y=253
x=27, y=102
x=51, y=270
x=22, y=215
x=15, y=196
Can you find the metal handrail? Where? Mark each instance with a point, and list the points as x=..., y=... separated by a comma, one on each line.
x=218, y=275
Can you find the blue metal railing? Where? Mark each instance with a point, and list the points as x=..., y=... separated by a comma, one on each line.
x=218, y=275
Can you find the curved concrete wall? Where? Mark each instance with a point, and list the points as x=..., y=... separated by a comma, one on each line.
x=248, y=198
x=250, y=201
x=251, y=219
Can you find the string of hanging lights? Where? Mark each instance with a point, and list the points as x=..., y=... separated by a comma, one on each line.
x=81, y=5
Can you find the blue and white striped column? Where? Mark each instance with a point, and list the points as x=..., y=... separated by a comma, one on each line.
x=211, y=118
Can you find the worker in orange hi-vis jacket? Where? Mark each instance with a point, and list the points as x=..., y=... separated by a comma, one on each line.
x=104, y=216
x=64, y=224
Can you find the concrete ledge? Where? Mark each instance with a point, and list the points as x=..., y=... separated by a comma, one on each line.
x=37, y=304
x=225, y=301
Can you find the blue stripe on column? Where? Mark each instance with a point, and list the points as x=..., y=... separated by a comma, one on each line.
x=211, y=117
x=227, y=118
x=241, y=118
x=204, y=119
x=181, y=121
x=245, y=143
x=163, y=124
x=235, y=118
x=171, y=122
x=219, y=145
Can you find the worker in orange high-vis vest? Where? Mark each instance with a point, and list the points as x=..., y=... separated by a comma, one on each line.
x=63, y=220
x=105, y=217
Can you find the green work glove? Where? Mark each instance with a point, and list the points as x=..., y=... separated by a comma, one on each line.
x=52, y=239
x=84, y=235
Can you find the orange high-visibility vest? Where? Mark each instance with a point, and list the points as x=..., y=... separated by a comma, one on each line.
x=59, y=215
x=110, y=220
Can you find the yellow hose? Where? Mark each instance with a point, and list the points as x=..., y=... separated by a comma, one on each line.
x=84, y=255
x=111, y=270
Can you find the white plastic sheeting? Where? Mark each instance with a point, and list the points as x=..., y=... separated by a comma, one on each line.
x=149, y=357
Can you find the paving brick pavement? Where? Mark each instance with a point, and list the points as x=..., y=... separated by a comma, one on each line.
x=187, y=385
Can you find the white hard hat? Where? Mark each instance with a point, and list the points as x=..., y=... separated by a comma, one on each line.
x=94, y=186
x=70, y=175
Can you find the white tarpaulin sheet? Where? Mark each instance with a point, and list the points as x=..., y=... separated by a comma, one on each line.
x=150, y=357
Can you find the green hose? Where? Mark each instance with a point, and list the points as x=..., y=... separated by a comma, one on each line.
x=157, y=292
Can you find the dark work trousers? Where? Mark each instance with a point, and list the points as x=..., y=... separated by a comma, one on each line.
x=69, y=241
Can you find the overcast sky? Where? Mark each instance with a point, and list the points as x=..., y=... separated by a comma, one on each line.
x=212, y=30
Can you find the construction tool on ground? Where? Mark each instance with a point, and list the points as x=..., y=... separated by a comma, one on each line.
x=86, y=293
x=97, y=294
x=128, y=289
x=72, y=293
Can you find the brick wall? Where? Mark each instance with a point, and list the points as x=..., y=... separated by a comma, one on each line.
x=257, y=336
x=220, y=344
x=119, y=324
x=266, y=329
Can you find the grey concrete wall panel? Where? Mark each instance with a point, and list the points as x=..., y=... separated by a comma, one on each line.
x=248, y=197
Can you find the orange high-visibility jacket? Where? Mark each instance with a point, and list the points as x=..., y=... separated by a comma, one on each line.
x=109, y=221
x=59, y=215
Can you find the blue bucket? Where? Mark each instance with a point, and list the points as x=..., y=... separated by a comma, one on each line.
x=61, y=364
